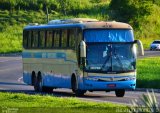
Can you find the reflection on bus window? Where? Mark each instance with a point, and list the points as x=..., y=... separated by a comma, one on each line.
x=49, y=39
x=29, y=39
x=42, y=39
x=64, y=38
x=56, y=38
x=35, y=39
x=25, y=38
x=71, y=38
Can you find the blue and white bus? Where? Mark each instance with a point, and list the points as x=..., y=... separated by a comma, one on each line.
x=80, y=54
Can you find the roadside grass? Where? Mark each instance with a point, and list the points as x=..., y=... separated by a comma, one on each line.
x=148, y=73
x=48, y=103
x=11, y=39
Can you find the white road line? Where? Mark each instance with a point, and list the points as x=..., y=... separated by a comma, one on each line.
x=20, y=79
x=10, y=69
x=9, y=60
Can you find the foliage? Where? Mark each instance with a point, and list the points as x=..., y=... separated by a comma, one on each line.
x=130, y=10
x=148, y=72
x=143, y=15
x=149, y=104
x=11, y=40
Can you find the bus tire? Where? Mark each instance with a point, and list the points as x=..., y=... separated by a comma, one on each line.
x=74, y=86
x=39, y=83
x=73, y=83
x=34, y=81
x=42, y=88
x=120, y=92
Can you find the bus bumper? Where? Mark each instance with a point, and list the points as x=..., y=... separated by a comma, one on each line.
x=105, y=86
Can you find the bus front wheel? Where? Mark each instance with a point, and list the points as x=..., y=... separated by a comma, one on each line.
x=75, y=89
x=120, y=92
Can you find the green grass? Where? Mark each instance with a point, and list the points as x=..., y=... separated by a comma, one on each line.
x=48, y=103
x=11, y=39
x=148, y=73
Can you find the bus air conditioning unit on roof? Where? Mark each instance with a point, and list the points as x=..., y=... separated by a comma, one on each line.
x=69, y=21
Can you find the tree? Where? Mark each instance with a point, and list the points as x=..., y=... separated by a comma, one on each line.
x=64, y=5
x=12, y=3
x=126, y=10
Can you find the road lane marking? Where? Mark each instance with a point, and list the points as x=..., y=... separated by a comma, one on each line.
x=11, y=83
x=9, y=60
x=11, y=69
x=20, y=79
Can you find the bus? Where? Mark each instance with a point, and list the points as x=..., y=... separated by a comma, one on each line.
x=80, y=54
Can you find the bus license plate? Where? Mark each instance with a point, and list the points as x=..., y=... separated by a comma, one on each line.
x=111, y=85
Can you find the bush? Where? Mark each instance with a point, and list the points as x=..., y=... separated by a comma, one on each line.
x=149, y=104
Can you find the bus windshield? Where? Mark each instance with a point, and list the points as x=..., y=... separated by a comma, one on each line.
x=108, y=35
x=110, y=50
x=104, y=57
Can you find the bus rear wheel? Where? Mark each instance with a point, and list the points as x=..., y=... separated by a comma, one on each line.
x=34, y=82
x=39, y=84
x=42, y=88
x=120, y=92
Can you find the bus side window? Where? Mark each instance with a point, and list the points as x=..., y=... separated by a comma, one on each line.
x=72, y=38
x=79, y=35
x=25, y=38
x=49, y=38
x=29, y=39
x=42, y=39
x=56, y=38
x=64, y=38
x=35, y=39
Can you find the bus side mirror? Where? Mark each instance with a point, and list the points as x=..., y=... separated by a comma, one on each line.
x=83, y=54
x=83, y=49
x=140, y=47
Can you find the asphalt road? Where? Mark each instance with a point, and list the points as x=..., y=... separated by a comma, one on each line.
x=11, y=81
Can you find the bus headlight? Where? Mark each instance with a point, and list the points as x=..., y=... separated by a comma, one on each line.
x=130, y=78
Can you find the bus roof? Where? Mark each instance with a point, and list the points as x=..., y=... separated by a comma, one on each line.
x=81, y=23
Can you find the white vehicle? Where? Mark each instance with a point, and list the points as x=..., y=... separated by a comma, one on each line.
x=155, y=45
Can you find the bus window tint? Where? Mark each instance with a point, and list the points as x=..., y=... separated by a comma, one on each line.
x=25, y=38
x=42, y=39
x=79, y=35
x=49, y=39
x=29, y=39
x=64, y=38
x=71, y=38
x=35, y=39
x=56, y=38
